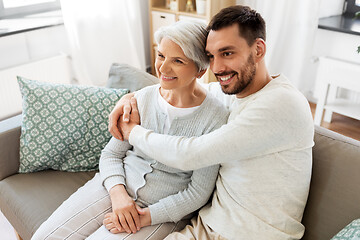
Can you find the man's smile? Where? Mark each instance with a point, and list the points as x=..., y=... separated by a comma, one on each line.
x=225, y=79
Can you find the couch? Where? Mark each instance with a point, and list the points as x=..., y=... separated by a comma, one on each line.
x=28, y=199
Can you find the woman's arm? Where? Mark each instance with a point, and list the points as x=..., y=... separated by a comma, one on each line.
x=174, y=207
x=113, y=176
x=111, y=163
x=111, y=218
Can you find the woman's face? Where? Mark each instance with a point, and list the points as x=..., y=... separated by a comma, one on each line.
x=173, y=68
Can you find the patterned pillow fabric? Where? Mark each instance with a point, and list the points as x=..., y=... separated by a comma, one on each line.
x=64, y=126
x=350, y=232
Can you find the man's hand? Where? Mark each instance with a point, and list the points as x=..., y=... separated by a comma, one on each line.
x=122, y=108
x=126, y=127
x=111, y=218
x=126, y=215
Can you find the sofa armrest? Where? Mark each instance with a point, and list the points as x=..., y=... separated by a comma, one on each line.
x=10, y=130
x=334, y=190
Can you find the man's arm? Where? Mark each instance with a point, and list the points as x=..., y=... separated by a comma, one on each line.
x=122, y=108
x=258, y=130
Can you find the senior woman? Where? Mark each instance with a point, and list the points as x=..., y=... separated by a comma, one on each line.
x=133, y=196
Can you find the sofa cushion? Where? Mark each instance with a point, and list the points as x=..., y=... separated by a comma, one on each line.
x=125, y=76
x=334, y=191
x=64, y=127
x=27, y=200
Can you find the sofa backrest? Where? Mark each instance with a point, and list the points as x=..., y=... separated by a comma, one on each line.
x=9, y=146
x=122, y=75
x=334, y=198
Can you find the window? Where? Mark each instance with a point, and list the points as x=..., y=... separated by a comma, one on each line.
x=351, y=7
x=16, y=8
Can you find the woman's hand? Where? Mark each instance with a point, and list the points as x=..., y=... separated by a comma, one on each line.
x=126, y=217
x=109, y=223
x=145, y=216
x=122, y=107
x=126, y=127
x=111, y=218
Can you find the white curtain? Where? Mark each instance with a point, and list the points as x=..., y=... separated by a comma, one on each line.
x=102, y=32
x=291, y=28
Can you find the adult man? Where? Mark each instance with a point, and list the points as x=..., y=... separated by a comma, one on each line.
x=264, y=150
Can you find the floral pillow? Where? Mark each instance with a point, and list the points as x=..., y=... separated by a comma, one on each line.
x=64, y=126
x=350, y=232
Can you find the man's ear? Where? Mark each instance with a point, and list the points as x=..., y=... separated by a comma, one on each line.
x=201, y=73
x=260, y=48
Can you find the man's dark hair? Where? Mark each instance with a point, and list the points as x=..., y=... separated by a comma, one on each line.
x=251, y=24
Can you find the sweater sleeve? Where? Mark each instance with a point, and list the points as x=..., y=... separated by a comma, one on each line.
x=174, y=207
x=265, y=126
x=111, y=163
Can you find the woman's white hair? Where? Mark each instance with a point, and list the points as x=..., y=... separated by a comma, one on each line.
x=191, y=38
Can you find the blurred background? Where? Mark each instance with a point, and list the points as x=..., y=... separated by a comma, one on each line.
x=76, y=41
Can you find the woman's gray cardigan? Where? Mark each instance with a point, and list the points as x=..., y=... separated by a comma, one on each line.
x=169, y=193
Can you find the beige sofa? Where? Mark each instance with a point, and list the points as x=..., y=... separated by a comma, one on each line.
x=28, y=199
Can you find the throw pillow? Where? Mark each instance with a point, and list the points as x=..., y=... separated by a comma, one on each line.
x=126, y=76
x=64, y=126
x=350, y=232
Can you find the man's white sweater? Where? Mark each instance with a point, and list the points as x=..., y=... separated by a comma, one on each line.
x=265, y=156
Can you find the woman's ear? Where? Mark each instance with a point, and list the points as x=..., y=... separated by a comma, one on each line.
x=260, y=49
x=201, y=73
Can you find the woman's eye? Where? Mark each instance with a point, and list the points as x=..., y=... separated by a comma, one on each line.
x=210, y=57
x=179, y=61
x=160, y=55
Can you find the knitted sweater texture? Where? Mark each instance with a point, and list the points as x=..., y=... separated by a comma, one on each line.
x=169, y=193
x=265, y=152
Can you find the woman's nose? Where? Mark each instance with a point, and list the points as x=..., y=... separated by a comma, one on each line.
x=164, y=67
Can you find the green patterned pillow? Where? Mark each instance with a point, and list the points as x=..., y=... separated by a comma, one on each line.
x=350, y=232
x=64, y=126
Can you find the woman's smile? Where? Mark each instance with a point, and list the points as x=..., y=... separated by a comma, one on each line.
x=167, y=78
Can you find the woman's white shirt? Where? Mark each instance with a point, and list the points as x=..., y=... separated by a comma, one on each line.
x=173, y=112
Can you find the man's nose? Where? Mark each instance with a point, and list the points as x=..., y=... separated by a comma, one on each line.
x=217, y=65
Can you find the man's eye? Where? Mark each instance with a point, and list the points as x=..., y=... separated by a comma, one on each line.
x=160, y=55
x=178, y=61
x=226, y=54
x=210, y=56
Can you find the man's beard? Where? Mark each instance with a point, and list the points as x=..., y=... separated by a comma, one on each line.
x=247, y=75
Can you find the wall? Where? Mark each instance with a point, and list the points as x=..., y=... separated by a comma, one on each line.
x=327, y=43
x=333, y=44
x=38, y=55
x=330, y=8
x=146, y=31
x=38, y=44
x=34, y=45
